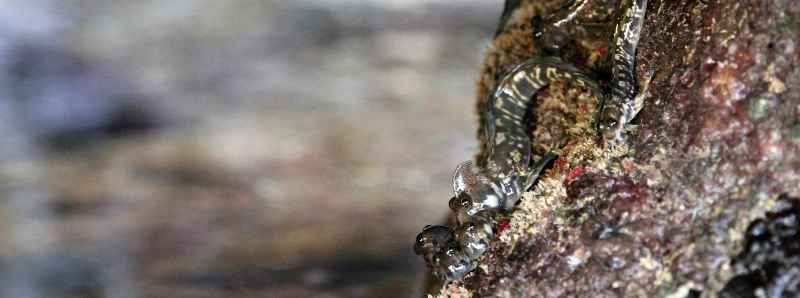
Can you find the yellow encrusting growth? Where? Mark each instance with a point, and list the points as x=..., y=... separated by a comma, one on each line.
x=550, y=194
x=452, y=290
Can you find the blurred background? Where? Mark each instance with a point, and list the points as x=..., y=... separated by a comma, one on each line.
x=230, y=148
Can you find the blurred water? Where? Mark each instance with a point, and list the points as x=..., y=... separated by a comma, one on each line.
x=229, y=148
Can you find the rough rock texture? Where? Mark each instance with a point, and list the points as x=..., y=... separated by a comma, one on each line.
x=770, y=260
x=715, y=147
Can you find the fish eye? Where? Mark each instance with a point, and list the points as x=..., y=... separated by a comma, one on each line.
x=460, y=202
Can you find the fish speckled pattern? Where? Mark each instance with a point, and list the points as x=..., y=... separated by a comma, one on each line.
x=507, y=168
x=623, y=87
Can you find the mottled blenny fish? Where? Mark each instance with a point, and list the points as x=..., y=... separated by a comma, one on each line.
x=508, y=169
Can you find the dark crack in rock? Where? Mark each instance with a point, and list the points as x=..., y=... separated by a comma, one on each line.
x=769, y=265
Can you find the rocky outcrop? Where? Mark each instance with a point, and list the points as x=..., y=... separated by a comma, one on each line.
x=703, y=202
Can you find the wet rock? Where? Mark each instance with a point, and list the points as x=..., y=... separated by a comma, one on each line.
x=769, y=264
x=712, y=151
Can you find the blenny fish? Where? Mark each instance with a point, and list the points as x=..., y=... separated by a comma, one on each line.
x=508, y=168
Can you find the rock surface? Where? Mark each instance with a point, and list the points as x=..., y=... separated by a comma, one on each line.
x=715, y=149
